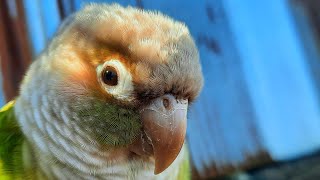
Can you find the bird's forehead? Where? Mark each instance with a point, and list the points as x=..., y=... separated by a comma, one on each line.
x=138, y=34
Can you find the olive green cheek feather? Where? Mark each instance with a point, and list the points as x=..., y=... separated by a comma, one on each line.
x=109, y=124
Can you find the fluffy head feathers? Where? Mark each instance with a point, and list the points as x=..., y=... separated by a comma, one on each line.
x=159, y=52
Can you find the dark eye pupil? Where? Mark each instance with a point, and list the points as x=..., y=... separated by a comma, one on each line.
x=110, y=76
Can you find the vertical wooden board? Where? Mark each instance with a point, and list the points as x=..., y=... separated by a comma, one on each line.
x=14, y=47
x=51, y=17
x=278, y=77
x=304, y=13
x=65, y=7
x=36, y=31
x=4, y=50
x=19, y=29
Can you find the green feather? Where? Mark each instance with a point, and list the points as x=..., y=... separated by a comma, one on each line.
x=120, y=126
x=11, y=139
x=184, y=169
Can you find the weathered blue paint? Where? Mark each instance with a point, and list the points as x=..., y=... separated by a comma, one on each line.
x=277, y=75
x=36, y=32
x=67, y=6
x=43, y=20
x=308, y=38
x=51, y=17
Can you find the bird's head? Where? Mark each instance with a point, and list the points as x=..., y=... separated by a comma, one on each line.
x=129, y=75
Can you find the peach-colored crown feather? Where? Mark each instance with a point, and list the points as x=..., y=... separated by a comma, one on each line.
x=144, y=34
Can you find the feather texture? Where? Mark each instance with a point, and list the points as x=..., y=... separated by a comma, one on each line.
x=78, y=127
x=11, y=139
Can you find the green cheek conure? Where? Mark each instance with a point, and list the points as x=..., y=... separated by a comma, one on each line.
x=107, y=99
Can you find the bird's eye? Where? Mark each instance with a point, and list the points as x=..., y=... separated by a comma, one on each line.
x=110, y=76
x=115, y=79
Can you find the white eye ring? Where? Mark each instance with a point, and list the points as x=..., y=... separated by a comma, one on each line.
x=123, y=90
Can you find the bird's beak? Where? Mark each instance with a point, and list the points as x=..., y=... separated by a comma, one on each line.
x=164, y=123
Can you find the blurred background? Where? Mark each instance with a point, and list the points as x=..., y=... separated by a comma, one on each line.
x=259, y=109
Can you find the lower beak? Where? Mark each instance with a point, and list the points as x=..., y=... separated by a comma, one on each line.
x=164, y=123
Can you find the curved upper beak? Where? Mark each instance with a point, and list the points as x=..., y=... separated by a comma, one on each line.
x=164, y=123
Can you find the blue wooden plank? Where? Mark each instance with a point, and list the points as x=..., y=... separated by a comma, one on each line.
x=35, y=26
x=308, y=38
x=51, y=17
x=67, y=6
x=277, y=75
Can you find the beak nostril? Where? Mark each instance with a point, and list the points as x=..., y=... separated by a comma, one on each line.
x=166, y=103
